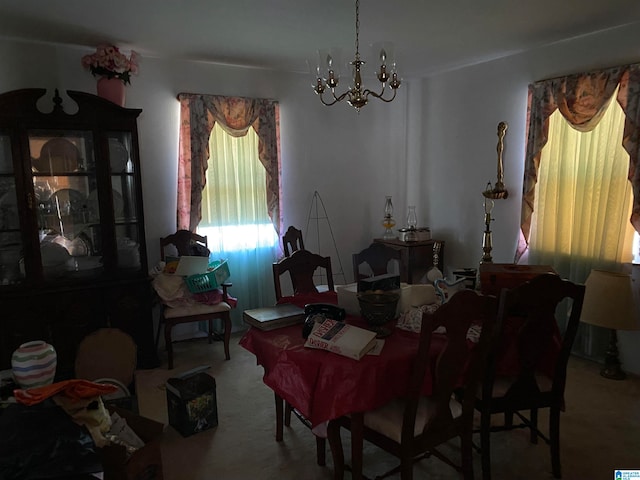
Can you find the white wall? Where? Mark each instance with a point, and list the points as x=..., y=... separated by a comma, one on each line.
x=433, y=147
x=462, y=111
x=352, y=160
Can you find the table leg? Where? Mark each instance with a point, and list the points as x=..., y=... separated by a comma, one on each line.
x=357, y=431
x=279, y=416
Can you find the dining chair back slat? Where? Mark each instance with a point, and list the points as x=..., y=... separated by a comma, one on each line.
x=292, y=241
x=301, y=266
x=378, y=257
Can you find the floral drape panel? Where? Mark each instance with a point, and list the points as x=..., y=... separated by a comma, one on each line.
x=582, y=100
x=198, y=114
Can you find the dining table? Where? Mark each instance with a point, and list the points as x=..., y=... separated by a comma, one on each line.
x=323, y=385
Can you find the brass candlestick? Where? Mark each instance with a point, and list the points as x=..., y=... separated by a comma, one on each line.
x=487, y=241
x=493, y=193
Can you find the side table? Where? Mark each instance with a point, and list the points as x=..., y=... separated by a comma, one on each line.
x=416, y=258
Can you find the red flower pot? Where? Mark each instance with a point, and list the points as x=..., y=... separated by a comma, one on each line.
x=111, y=89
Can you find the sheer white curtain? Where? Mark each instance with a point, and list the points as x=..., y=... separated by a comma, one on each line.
x=583, y=204
x=235, y=218
x=583, y=199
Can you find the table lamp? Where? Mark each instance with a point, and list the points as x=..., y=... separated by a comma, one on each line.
x=609, y=303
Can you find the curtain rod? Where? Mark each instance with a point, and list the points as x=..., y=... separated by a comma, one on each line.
x=588, y=72
x=225, y=96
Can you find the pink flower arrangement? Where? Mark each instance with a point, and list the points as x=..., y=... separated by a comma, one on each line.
x=110, y=62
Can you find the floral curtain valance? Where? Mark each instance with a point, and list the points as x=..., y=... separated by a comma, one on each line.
x=582, y=99
x=198, y=114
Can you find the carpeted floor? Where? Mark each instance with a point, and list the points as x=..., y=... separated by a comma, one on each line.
x=600, y=431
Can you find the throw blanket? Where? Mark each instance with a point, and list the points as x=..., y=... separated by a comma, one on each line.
x=412, y=322
x=173, y=291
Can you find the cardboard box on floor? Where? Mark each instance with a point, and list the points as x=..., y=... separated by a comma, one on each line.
x=191, y=401
x=146, y=462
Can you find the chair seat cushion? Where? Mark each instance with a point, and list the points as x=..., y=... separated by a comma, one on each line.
x=502, y=384
x=199, y=309
x=388, y=419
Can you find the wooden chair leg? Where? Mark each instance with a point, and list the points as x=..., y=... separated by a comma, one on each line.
x=287, y=413
x=167, y=341
x=485, y=447
x=160, y=322
x=210, y=335
x=279, y=403
x=533, y=418
x=335, y=444
x=227, y=335
x=321, y=447
x=357, y=441
x=554, y=440
x=466, y=447
x=508, y=419
x=406, y=468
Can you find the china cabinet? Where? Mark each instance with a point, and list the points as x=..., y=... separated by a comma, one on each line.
x=72, y=244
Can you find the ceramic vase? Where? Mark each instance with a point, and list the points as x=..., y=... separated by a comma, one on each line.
x=34, y=364
x=112, y=89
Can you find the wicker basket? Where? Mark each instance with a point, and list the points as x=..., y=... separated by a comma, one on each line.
x=209, y=281
x=378, y=308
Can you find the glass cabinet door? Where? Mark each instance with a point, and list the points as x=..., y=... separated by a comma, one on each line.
x=11, y=248
x=63, y=170
x=123, y=179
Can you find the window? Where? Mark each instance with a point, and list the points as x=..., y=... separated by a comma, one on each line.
x=235, y=218
x=582, y=206
x=229, y=187
x=234, y=200
x=583, y=200
x=595, y=211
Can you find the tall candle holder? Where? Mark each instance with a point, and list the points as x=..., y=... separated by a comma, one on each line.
x=487, y=240
x=498, y=191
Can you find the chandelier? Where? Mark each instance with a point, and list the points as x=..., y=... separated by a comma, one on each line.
x=356, y=95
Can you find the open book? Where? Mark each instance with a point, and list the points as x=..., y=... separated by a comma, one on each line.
x=341, y=338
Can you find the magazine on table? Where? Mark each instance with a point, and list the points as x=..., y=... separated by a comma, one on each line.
x=341, y=338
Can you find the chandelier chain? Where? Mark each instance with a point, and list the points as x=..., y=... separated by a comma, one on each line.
x=357, y=29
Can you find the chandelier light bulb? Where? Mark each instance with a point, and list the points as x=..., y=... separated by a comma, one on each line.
x=356, y=95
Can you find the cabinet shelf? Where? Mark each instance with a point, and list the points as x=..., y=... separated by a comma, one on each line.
x=63, y=174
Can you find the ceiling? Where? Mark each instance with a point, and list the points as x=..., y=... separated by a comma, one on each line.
x=430, y=37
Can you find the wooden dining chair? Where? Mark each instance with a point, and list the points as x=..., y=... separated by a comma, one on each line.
x=411, y=427
x=190, y=243
x=301, y=266
x=292, y=241
x=377, y=257
x=185, y=242
x=528, y=316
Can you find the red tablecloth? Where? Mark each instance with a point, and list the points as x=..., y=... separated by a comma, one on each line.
x=323, y=385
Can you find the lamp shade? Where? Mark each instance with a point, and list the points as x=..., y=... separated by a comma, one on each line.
x=609, y=302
